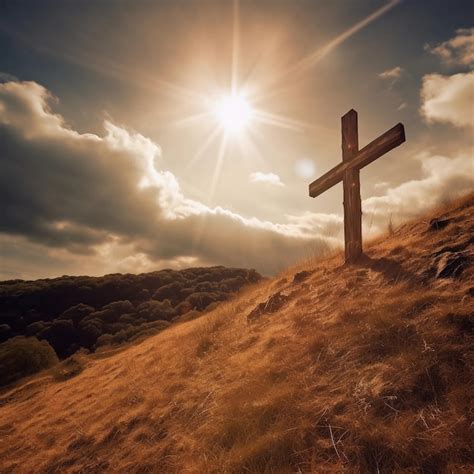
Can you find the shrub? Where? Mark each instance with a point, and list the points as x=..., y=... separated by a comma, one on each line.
x=104, y=340
x=77, y=313
x=183, y=307
x=90, y=330
x=154, y=310
x=171, y=291
x=201, y=300
x=119, y=307
x=111, y=312
x=233, y=284
x=69, y=368
x=37, y=327
x=61, y=335
x=21, y=356
x=113, y=328
x=143, y=294
x=147, y=329
x=129, y=319
x=193, y=314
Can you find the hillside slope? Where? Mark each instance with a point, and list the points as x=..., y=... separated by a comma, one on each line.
x=326, y=368
x=74, y=312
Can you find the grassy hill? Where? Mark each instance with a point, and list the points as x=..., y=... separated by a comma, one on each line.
x=325, y=368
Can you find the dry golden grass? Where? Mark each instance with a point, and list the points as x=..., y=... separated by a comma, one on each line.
x=364, y=368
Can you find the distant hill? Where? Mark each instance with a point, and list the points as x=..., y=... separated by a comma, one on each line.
x=88, y=312
x=364, y=368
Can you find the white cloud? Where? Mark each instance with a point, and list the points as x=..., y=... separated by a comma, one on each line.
x=329, y=225
x=448, y=99
x=103, y=198
x=442, y=178
x=458, y=50
x=381, y=185
x=265, y=178
x=392, y=74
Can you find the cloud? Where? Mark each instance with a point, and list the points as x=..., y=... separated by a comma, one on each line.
x=392, y=74
x=458, y=51
x=381, y=185
x=330, y=226
x=91, y=198
x=265, y=178
x=6, y=77
x=448, y=99
x=443, y=178
x=89, y=204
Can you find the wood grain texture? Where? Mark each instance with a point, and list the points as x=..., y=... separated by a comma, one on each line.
x=351, y=186
x=348, y=172
x=386, y=142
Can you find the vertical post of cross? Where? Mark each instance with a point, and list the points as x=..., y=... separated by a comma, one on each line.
x=351, y=184
x=353, y=160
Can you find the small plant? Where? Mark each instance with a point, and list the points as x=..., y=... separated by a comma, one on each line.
x=69, y=368
x=204, y=346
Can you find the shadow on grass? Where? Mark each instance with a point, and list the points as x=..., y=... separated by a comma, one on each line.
x=392, y=270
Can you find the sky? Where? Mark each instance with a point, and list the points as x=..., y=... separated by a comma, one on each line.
x=140, y=135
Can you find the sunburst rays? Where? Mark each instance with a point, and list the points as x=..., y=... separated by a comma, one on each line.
x=248, y=140
x=218, y=138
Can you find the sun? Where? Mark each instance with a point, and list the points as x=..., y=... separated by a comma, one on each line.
x=233, y=113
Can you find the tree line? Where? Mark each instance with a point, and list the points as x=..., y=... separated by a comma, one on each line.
x=71, y=313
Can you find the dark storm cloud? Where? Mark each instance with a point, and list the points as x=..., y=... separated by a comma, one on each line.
x=58, y=187
x=78, y=191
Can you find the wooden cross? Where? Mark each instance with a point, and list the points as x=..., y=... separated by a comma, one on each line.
x=353, y=160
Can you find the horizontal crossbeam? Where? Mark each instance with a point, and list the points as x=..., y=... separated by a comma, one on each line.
x=381, y=145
